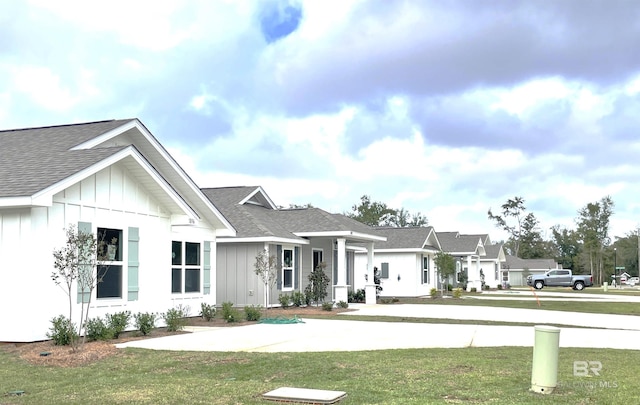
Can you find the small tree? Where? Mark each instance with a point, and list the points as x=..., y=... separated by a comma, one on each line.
x=266, y=267
x=318, y=283
x=446, y=265
x=75, y=262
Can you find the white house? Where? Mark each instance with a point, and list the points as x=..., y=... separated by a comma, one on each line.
x=114, y=179
x=404, y=261
x=468, y=250
x=300, y=239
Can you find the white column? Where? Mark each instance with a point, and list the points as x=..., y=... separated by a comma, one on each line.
x=341, y=288
x=471, y=275
x=479, y=285
x=370, y=286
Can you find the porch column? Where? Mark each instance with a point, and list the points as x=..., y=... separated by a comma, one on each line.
x=479, y=285
x=341, y=288
x=370, y=286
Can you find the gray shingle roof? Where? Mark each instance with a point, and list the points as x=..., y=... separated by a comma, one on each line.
x=249, y=220
x=404, y=238
x=253, y=220
x=513, y=262
x=454, y=242
x=33, y=159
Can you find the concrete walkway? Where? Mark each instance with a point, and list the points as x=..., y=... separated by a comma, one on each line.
x=320, y=335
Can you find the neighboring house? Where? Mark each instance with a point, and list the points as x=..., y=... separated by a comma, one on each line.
x=491, y=263
x=300, y=239
x=468, y=251
x=114, y=179
x=516, y=270
x=404, y=261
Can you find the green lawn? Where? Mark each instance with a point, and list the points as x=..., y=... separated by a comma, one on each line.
x=425, y=376
x=621, y=308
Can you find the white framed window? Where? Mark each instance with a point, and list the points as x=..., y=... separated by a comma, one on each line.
x=186, y=267
x=288, y=273
x=110, y=271
x=425, y=270
x=318, y=257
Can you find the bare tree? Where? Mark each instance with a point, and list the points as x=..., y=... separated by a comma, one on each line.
x=266, y=267
x=77, y=263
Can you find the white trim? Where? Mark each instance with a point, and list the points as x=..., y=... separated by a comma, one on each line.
x=135, y=123
x=46, y=196
x=261, y=191
x=342, y=234
x=265, y=239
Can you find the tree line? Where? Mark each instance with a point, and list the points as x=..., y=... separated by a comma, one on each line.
x=586, y=249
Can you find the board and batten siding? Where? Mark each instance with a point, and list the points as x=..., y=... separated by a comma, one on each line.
x=236, y=280
x=112, y=198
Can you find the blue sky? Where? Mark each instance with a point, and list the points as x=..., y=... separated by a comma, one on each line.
x=444, y=108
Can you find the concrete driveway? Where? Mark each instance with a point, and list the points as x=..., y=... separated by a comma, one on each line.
x=319, y=335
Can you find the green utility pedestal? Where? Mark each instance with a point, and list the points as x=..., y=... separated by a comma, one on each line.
x=605, y=286
x=544, y=371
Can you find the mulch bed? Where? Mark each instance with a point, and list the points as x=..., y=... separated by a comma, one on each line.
x=90, y=352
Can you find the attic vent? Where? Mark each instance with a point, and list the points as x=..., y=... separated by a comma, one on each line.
x=192, y=221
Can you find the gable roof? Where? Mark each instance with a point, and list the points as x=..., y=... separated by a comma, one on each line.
x=494, y=252
x=455, y=243
x=256, y=218
x=407, y=239
x=516, y=263
x=55, y=157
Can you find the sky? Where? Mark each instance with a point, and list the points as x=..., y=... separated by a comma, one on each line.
x=446, y=108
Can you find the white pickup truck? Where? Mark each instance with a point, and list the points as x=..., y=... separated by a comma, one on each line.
x=559, y=278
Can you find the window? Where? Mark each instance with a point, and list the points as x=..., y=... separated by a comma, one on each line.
x=425, y=269
x=317, y=258
x=287, y=269
x=110, y=256
x=186, y=267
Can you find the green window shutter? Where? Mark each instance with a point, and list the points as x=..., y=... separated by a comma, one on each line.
x=296, y=267
x=385, y=270
x=279, y=270
x=84, y=296
x=133, y=264
x=207, y=268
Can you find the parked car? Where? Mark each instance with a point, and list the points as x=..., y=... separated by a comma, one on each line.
x=633, y=281
x=559, y=278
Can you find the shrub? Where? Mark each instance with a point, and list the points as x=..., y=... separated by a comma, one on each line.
x=96, y=329
x=145, y=322
x=297, y=298
x=252, y=313
x=499, y=286
x=308, y=296
x=457, y=293
x=327, y=306
x=117, y=323
x=176, y=318
x=62, y=331
x=357, y=296
x=449, y=287
x=343, y=304
x=473, y=289
x=285, y=300
x=229, y=313
x=207, y=311
x=433, y=292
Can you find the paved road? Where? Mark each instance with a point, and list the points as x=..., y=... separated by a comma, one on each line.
x=623, y=332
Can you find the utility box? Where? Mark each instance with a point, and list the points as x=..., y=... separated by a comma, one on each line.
x=544, y=371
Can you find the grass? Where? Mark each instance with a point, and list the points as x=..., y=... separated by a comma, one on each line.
x=471, y=375
x=620, y=308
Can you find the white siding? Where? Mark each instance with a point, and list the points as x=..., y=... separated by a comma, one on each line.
x=406, y=265
x=112, y=198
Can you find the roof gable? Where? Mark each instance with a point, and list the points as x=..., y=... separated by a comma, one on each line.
x=51, y=158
